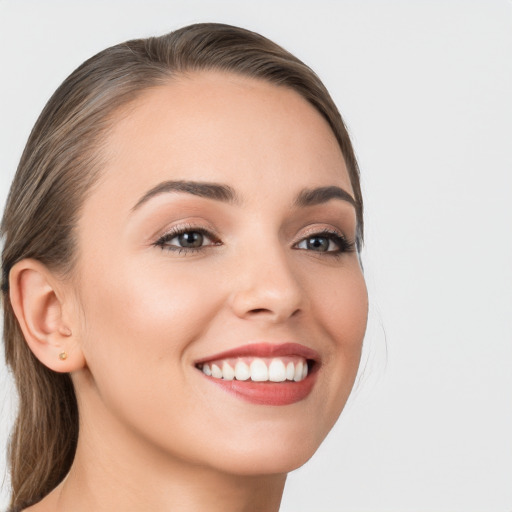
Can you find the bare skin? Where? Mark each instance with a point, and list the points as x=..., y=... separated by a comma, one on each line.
x=141, y=308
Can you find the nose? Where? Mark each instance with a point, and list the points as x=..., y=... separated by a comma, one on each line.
x=266, y=287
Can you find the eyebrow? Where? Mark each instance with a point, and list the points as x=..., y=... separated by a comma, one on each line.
x=225, y=193
x=215, y=191
x=314, y=196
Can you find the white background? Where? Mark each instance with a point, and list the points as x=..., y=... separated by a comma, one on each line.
x=426, y=90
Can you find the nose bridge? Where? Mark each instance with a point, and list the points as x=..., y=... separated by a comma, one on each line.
x=266, y=284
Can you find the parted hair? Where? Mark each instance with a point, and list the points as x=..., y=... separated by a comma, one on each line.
x=58, y=168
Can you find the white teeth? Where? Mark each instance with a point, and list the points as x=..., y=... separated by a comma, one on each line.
x=290, y=371
x=242, y=371
x=276, y=371
x=259, y=371
x=216, y=372
x=298, y=371
x=227, y=372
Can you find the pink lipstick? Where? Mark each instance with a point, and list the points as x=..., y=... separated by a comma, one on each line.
x=264, y=373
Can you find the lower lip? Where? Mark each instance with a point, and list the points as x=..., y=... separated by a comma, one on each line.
x=268, y=393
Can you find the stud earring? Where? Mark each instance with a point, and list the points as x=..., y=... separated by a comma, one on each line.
x=63, y=356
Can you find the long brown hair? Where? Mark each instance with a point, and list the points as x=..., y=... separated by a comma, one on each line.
x=60, y=163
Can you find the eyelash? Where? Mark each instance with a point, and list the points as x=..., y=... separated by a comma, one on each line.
x=163, y=241
x=344, y=244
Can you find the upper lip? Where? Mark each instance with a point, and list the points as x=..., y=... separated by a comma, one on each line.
x=265, y=350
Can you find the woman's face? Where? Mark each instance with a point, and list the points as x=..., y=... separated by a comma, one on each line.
x=220, y=238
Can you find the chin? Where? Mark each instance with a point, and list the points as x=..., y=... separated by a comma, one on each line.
x=263, y=462
x=274, y=450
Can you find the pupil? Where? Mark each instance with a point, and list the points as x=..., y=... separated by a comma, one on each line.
x=191, y=239
x=318, y=243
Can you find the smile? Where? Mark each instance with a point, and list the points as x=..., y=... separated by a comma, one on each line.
x=263, y=373
x=258, y=369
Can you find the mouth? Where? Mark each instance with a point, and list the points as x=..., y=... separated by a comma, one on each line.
x=263, y=373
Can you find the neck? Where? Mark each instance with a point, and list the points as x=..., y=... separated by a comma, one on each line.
x=113, y=470
x=188, y=491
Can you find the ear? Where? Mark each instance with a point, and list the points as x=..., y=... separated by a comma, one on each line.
x=37, y=299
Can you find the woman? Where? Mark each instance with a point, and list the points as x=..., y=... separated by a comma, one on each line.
x=184, y=301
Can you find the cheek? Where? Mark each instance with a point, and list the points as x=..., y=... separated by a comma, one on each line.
x=139, y=322
x=342, y=311
x=349, y=312
x=342, y=307
x=145, y=306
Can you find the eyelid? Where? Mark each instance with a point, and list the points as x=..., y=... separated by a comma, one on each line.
x=186, y=225
x=319, y=229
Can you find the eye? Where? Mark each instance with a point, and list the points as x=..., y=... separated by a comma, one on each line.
x=190, y=239
x=186, y=240
x=326, y=241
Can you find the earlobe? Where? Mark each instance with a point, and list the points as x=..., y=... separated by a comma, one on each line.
x=38, y=306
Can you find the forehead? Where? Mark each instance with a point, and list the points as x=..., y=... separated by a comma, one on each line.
x=213, y=126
